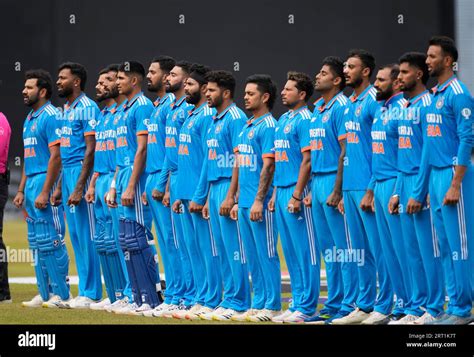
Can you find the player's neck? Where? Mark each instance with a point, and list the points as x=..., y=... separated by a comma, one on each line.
x=260, y=112
x=298, y=106
x=161, y=93
x=70, y=99
x=226, y=103
x=360, y=88
x=443, y=77
x=419, y=88
x=133, y=93
x=179, y=94
x=327, y=96
x=120, y=99
x=109, y=102
x=201, y=102
x=38, y=104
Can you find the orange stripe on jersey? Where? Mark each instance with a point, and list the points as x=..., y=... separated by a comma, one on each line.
x=55, y=142
x=89, y=133
x=268, y=155
x=142, y=132
x=306, y=148
x=236, y=149
x=342, y=137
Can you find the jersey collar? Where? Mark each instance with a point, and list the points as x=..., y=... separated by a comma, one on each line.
x=293, y=113
x=440, y=87
x=109, y=109
x=73, y=105
x=395, y=97
x=196, y=111
x=133, y=100
x=416, y=98
x=34, y=114
x=322, y=107
x=224, y=112
x=161, y=100
x=178, y=102
x=255, y=121
x=362, y=95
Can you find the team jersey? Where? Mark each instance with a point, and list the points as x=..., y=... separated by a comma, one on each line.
x=385, y=138
x=157, y=134
x=256, y=142
x=326, y=130
x=41, y=130
x=358, y=117
x=192, y=150
x=79, y=120
x=132, y=122
x=222, y=139
x=104, y=159
x=291, y=140
x=449, y=129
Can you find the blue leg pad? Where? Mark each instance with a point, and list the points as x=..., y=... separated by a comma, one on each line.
x=40, y=270
x=99, y=242
x=128, y=262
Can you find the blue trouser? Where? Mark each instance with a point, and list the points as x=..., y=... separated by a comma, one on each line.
x=189, y=293
x=231, y=251
x=301, y=251
x=167, y=241
x=423, y=252
x=365, y=240
x=107, y=243
x=260, y=243
x=455, y=232
x=393, y=249
x=53, y=276
x=334, y=240
x=139, y=213
x=81, y=224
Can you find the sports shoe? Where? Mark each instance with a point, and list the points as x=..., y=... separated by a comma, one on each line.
x=296, y=317
x=168, y=313
x=279, y=318
x=160, y=309
x=265, y=315
x=355, y=317
x=439, y=320
x=117, y=305
x=195, y=308
x=125, y=309
x=208, y=316
x=458, y=320
x=37, y=301
x=82, y=303
x=140, y=310
x=375, y=318
x=182, y=312
x=100, y=305
x=404, y=320
x=318, y=319
x=196, y=315
x=244, y=316
x=224, y=316
x=6, y=300
x=57, y=303
x=423, y=319
x=71, y=301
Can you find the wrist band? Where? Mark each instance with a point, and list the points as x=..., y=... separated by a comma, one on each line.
x=298, y=199
x=20, y=192
x=112, y=184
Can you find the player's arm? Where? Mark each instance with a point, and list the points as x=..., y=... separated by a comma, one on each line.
x=86, y=170
x=336, y=194
x=138, y=167
x=20, y=195
x=90, y=194
x=54, y=168
x=294, y=204
x=110, y=197
x=266, y=178
x=230, y=198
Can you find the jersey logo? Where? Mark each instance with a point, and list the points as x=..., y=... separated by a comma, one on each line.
x=439, y=103
x=251, y=134
x=358, y=110
x=287, y=129
x=93, y=123
x=325, y=117
x=466, y=113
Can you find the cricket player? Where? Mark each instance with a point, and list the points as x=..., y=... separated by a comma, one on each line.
x=449, y=141
x=193, y=189
x=255, y=155
x=79, y=119
x=358, y=118
x=293, y=219
x=45, y=222
x=328, y=148
x=222, y=139
x=168, y=177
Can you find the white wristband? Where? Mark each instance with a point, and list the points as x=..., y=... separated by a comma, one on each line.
x=112, y=184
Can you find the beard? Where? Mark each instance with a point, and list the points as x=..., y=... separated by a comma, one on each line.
x=217, y=102
x=406, y=87
x=155, y=87
x=357, y=82
x=174, y=88
x=384, y=95
x=32, y=100
x=65, y=92
x=436, y=71
x=193, y=98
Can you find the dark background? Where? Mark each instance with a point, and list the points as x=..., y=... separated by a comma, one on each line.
x=254, y=33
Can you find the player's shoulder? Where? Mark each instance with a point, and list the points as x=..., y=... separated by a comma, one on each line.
x=458, y=88
x=372, y=95
x=341, y=102
x=305, y=114
x=426, y=100
x=270, y=121
x=402, y=102
x=208, y=111
x=50, y=110
x=235, y=113
x=86, y=102
x=142, y=100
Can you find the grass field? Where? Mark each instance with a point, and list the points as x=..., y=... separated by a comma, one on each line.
x=15, y=237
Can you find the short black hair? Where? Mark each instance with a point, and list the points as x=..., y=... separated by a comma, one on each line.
x=134, y=67
x=185, y=66
x=166, y=62
x=223, y=79
x=76, y=69
x=336, y=65
x=110, y=68
x=43, y=80
x=264, y=84
x=367, y=58
x=418, y=60
x=394, y=70
x=303, y=83
x=198, y=72
x=447, y=45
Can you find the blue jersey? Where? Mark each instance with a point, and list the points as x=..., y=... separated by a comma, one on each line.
x=256, y=142
x=222, y=141
x=192, y=173
x=449, y=129
x=157, y=133
x=385, y=138
x=291, y=139
x=326, y=130
x=104, y=157
x=41, y=130
x=79, y=120
x=132, y=122
x=358, y=117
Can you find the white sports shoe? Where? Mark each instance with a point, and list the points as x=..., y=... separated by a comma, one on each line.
x=117, y=304
x=140, y=310
x=196, y=315
x=280, y=318
x=374, y=318
x=355, y=317
x=124, y=310
x=423, y=320
x=181, y=314
x=225, y=316
x=404, y=320
x=208, y=316
x=57, y=303
x=37, y=301
x=100, y=305
x=83, y=302
x=296, y=317
x=244, y=316
x=168, y=313
x=162, y=308
x=264, y=315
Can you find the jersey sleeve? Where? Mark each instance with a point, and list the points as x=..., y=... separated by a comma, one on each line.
x=303, y=134
x=92, y=115
x=268, y=141
x=202, y=189
x=338, y=121
x=142, y=119
x=235, y=128
x=462, y=108
x=53, y=130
